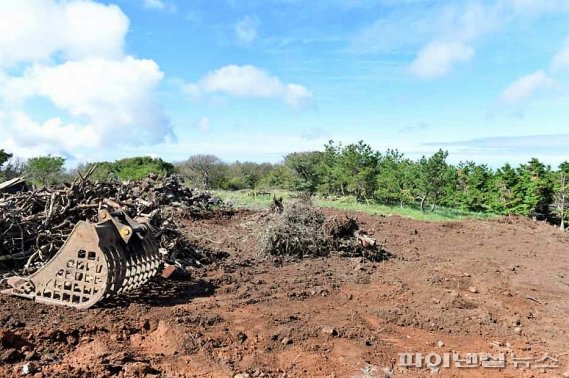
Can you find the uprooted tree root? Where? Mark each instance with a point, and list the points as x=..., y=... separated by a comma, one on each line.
x=302, y=230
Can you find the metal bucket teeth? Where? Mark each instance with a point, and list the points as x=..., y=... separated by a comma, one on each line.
x=97, y=261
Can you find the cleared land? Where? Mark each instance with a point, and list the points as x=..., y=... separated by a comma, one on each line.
x=466, y=286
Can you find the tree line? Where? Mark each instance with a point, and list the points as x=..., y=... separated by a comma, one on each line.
x=531, y=189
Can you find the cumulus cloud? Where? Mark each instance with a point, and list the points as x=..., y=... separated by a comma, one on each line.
x=458, y=29
x=101, y=96
x=248, y=81
x=436, y=59
x=525, y=87
x=35, y=31
x=246, y=29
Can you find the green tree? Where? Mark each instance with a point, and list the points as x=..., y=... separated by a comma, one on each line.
x=139, y=167
x=280, y=177
x=358, y=168
x=245, y=175
x=507, y=196
x=331, y=181
x=434, y=177
x=4, y=157
x=305, y=168
x=393, y=183
x=536, y=187
x=45, y=170
x=474, y=186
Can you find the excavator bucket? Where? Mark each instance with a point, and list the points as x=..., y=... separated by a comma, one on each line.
x=97, y=261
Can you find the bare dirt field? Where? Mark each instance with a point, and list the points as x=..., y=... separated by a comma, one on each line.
x=465, y=287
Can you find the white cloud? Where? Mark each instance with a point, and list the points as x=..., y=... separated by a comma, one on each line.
x=159, y=5
x=561, y=59
x=203, y=124
x=248, y=81
x=525, y=87
x=154, y=4
x=437, y=58
x=71, y=54
x=112, y=100
x=246, y=29
x=36, y=30
x=458, y=28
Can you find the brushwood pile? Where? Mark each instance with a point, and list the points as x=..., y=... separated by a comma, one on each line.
x=34, y=223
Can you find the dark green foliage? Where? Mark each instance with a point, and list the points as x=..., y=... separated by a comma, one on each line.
x=395, y=179
x=473, y=186
x=433, y=180
x=304, y=166
x=45, y=170
x=349, y=170
x=357, y=170
x=4, y=157
x=129, y=169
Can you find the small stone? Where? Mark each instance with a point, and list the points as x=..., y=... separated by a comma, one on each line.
x=331, y=331
x=566, y=374
x=465, y=274
x=435, y=300
x=472, y=289
x=286, y=341
x=241, y=337
x=440, y=344
x=518, y=330
x=31, y=356
x=507, y=293
x=28, y=368
x=242, y=375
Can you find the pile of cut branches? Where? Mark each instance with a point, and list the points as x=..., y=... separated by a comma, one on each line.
x=34, y=224
x=302, y=230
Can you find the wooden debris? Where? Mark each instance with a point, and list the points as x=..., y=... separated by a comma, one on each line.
x=34, y=224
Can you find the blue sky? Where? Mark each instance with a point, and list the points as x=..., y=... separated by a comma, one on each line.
x=254, y=80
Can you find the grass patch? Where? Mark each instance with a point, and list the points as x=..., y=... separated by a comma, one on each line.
x=247, y=199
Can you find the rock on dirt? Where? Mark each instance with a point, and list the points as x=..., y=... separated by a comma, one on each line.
x=29, y=368
x=330, y=331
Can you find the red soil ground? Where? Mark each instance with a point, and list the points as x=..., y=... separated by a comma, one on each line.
x=464, y=287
